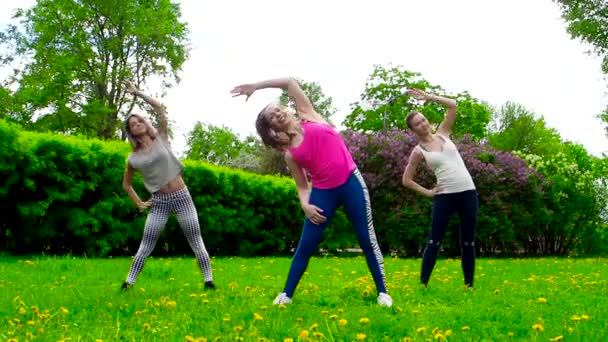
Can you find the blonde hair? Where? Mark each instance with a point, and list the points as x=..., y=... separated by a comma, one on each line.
x=150, y=130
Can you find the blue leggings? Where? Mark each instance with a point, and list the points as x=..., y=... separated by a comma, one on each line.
x=354, y=196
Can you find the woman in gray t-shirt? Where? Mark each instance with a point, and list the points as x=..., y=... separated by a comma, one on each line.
x=161, y=173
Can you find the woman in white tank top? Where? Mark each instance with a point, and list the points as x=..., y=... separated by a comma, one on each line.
x=455, y=191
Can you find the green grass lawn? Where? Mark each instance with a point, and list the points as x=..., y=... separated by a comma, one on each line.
x=76, y=299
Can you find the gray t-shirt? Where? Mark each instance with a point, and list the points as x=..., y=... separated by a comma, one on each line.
x=158, y=166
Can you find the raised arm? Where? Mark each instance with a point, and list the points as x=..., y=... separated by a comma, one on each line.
x=312, y=212
x=158, y=107
x=303, y=105
x=450, y=116
x=410, y=170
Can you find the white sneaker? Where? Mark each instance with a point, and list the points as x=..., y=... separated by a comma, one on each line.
x=385, y=300
x=282, y=299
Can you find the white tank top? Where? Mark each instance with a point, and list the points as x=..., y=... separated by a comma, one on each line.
x=449, y=168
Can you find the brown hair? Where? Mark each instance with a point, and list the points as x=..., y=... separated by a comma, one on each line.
x=270, y=137
x=410, y=117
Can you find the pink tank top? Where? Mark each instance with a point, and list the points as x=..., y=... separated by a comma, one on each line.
x=324, y=154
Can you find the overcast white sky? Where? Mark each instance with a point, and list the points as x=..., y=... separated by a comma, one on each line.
x=499, y=51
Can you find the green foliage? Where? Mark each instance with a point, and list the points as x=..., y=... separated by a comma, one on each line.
x=575, y=200
x=322, y=103
x=64, y=195
x=384, y=105
x=213, y=144
x=587, y=20
x=514, y=128
x=77, y=54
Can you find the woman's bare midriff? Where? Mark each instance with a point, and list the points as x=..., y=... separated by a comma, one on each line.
x=174, y=185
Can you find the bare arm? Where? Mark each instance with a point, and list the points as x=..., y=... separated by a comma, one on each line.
x=410, y=170
x=158, y=107
x=127, y=182
x=300, y=178
x=311, y=211
x=303, y=105
x=450, y=116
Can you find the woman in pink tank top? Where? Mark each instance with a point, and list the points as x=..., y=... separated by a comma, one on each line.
x=310, y=143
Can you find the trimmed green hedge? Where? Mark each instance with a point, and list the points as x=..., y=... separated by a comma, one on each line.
x=64, y=195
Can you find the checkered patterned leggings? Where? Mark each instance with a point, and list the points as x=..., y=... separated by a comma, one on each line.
x=178, y=202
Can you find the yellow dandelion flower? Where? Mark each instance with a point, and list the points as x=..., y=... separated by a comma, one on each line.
x=435, y=330
x=299, y=320
x=364, y=320
x=288, y=339
x=282, y=306
x=324, y=312
x=318, y=334
x=29, y=262
x=407, y=339
x=12, y=340
x=40, y=330
x=575, y=318
x=64, y=327
x=361, y=336
x=314, y=326
x=171, y=304
x=421, y=330
x=448, y=333
x=189, y=338
x=264, y=307
x=142, y=290
x=226, y=319
x=497, y=291
x=193, y=295
x=585, y=317
x=205, y=301
x=153, y=318
x=29, y=335
x=466, y=328
x=257, y=316
x=439, y=336
x=34, y=308
x=557, y=338
x=22, y=310
x=138, y=313
x=542, y=300
x=98, y=340
x=201, y=339
x=31, y=322
x=342, y=322
x=333, y=317
x=303, y=334
x=146, y=326
x=238, y=328
x=538, y=327
x=340, y=310
x=415, y=312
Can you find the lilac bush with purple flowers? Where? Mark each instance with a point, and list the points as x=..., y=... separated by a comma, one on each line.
x=509, y=193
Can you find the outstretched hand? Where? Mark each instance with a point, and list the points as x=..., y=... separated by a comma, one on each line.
x=418, y=94
x=243, y=89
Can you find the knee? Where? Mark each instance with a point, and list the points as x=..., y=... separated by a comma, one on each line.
x=432, y=246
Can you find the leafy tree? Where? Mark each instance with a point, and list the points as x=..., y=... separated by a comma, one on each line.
x=76, y=55
x=514, y=128
x=385, y=105
x=322, y=103
x=216, y=145
x=587, y=20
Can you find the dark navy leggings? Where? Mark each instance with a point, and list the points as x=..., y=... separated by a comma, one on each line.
x=444, y=205
x=353, y=195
